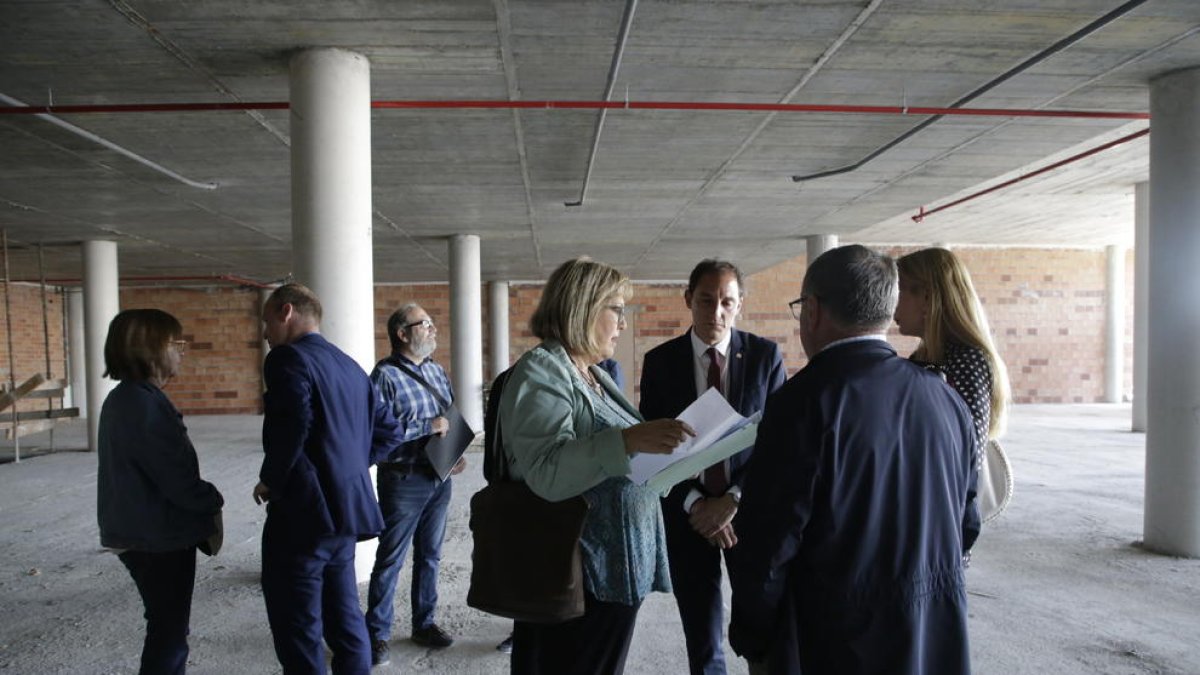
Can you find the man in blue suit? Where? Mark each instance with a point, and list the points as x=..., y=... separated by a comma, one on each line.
x=323, y=427
x=698, y=513
x=859, y=501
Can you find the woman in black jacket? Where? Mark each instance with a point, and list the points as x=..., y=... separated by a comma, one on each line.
x=153, y=508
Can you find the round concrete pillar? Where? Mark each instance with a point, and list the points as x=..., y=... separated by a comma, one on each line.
x=1172, y=517
x=466, y=346
x=331, y=193
x=498, y=337
x=816, y=244
x=101, y=302
x=1141, y=301
x=76, y=352
x=1114, y=325
x=331, y=205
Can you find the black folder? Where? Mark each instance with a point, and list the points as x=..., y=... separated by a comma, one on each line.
x=444, y=452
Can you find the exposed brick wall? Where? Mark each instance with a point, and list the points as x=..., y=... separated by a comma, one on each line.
x=29, y=339
x=1046, y=308
x=222, y=371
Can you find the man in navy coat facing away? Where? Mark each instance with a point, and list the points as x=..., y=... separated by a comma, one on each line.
x=858, y=504
x=323, y=427
x=697, y=513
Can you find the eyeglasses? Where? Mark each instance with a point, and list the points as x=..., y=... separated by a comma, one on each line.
x=797, y=306
x=427, y=323
x=618, y=309
x=181, y=346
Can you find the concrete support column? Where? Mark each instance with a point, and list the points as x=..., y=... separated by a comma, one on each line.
x=76, y=353
x=330, y=91
x=498, y=337
x=1172, y=518
x=466, y=321
x=264, y=347
x=1141, y=301
x=1114, y=325
x=101, y=302
x=816, y=244
x=331, y=193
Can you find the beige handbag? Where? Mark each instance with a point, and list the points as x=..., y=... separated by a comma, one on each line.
x=995, y=481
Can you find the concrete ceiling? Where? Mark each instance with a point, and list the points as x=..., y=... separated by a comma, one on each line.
x=667, y=188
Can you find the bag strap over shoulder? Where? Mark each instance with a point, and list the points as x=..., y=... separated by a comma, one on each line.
x=495, y=467
x=394, y=360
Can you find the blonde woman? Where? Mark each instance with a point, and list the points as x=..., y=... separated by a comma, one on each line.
x=938, y=304
x=568, y=430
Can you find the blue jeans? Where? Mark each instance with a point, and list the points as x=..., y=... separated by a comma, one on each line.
x=165, y=581
x=414, y=509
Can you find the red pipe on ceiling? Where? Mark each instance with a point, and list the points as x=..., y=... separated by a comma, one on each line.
x=228, y=278
x=922, y=213
x=592, y=105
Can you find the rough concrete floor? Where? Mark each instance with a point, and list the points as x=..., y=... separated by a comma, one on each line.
x=1057, y=584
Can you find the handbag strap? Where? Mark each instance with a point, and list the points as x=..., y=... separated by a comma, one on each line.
x=495, y=466
x=395, y=361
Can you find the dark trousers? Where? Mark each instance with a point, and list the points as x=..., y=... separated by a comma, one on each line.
x=165, y=581
x=594, y=644
x=696, y=579
x=414, y=509
x=310, y=593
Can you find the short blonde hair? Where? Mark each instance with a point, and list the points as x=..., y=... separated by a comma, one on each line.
x=137, y=343
x=956, y=314
x=572, y=299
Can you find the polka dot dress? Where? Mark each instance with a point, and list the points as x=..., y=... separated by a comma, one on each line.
x=967, y=371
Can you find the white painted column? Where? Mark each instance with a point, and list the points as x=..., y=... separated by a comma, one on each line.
x=330, y=91
x=1114, y=324
x=1172, y=518
x=1141, y=301
x=331, y=193
x=466, y=322
x=76, y=353
x=816, y=244
x=101, y=302
x=498, y=337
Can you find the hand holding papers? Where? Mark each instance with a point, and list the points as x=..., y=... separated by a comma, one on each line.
x=720, y=433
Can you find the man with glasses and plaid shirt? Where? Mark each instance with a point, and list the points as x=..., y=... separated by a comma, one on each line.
x=412, y=496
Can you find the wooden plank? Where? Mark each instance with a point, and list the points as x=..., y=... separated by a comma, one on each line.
x=26, y=415
x=7, y=398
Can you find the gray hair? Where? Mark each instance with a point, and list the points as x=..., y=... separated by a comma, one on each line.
x=857, y=285
x=397, y=321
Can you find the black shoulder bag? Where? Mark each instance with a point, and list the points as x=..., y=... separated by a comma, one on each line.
x=526, y=564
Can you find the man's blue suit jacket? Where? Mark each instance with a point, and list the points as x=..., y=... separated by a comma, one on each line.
x=669, y=386
x=323, y=427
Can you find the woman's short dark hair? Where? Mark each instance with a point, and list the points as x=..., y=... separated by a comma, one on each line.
x=137, y=344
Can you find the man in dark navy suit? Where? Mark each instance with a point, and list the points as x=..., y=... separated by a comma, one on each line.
x=698, y=513
x=859, y=501
x=323, y=427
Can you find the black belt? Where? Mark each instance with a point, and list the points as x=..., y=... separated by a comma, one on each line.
x=405, y=468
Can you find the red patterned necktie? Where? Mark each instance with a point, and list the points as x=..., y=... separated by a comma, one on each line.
x=715, y=479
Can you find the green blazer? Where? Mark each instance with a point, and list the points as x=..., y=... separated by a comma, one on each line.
x=546, y=421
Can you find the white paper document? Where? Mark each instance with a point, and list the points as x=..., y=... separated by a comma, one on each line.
x=720, y=433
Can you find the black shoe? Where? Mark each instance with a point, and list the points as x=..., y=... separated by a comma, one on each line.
x=380, y=654
x=505, y=646
x=432, y=636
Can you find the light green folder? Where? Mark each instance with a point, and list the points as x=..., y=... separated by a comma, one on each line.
x=699, y=460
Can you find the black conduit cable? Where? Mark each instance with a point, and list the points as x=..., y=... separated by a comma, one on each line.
x=986, y=87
